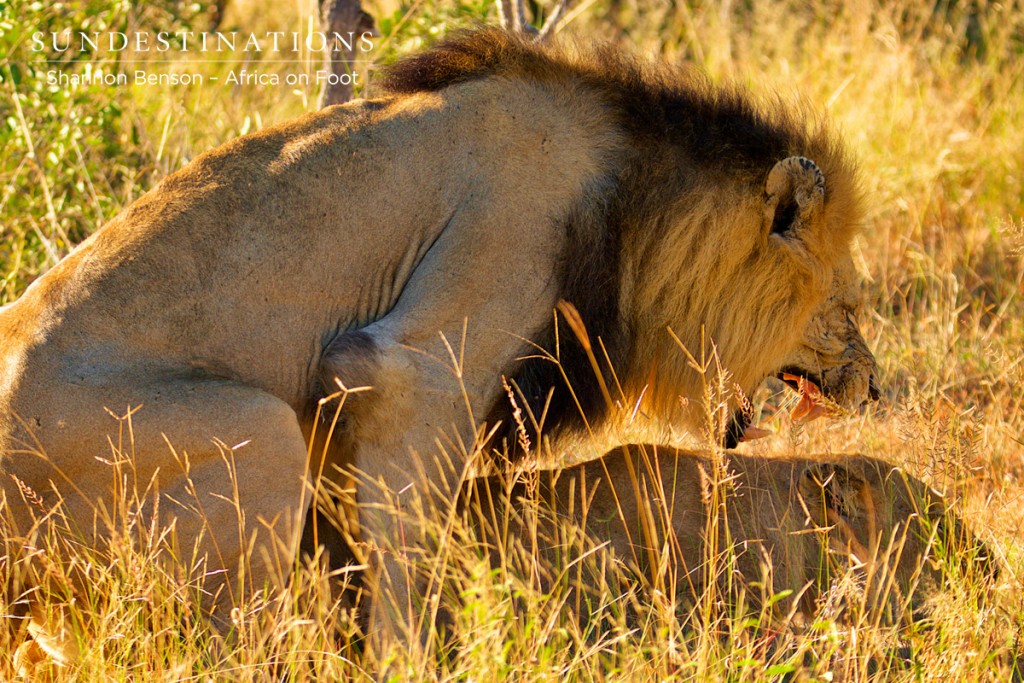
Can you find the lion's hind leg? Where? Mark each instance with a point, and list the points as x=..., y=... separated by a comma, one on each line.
x=199, y=473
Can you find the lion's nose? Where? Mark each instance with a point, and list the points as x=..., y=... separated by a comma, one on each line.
x=873, y=393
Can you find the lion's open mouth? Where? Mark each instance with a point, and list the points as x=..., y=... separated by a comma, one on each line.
x=811, y=406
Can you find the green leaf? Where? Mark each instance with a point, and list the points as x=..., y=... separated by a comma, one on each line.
x=780, y=670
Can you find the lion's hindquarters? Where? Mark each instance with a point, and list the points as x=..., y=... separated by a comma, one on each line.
x=219, y=467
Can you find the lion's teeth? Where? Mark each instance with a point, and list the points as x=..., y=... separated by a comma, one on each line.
x=752, y=432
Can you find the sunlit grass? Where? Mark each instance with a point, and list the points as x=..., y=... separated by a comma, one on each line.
x=932, y=102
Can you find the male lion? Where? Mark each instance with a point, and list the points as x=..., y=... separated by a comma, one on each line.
x=417, y=244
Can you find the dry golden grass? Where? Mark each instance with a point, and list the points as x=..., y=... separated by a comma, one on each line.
x=931, y=98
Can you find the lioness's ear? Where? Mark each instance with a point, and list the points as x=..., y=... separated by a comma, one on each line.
x=794, y=193
x=832, y=491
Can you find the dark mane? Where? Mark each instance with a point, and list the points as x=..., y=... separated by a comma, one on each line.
x=683, y=136
x=720, y=125
x=465, y=56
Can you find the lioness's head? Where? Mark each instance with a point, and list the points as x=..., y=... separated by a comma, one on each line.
x=900, y=532
x=844, y=534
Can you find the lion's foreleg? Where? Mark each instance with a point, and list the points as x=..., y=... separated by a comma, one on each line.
x=407, y=437
x=434, y=364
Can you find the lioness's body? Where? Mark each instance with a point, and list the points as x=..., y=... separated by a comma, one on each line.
x=417, y=244
x=768, y=524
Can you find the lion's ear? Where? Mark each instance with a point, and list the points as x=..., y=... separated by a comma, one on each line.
x=794, y=193
x=834, y=492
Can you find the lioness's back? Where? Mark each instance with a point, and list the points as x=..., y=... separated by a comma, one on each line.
x=770, y=524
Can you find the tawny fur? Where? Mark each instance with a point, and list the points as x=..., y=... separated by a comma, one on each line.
x=777, y=524
x=835, y=532
x=794, y=524
x=418, y=244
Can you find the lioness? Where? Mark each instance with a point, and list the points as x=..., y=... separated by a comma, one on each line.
x=789, y=524
x=786, y=522
x=417, y=244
